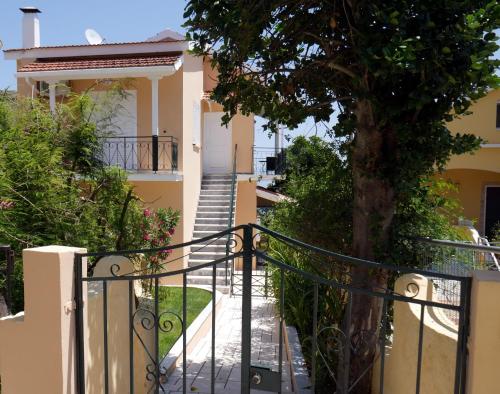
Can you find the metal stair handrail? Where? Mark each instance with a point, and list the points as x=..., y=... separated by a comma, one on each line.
x=231, y=212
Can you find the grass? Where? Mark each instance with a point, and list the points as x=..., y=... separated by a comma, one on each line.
x=170, y=300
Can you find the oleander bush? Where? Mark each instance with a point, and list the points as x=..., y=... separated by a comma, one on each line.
x=54, y=189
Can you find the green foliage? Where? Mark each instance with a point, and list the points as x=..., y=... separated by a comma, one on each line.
x=319, y=211
x=318, y=181
x=55, y=190
x=418, y=63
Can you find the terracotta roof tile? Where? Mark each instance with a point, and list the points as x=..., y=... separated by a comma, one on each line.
x=83, y=63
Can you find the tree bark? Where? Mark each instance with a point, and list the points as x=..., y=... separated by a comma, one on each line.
x=373, y=212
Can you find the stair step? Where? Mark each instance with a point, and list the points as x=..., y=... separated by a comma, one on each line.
x=222, y=220
x=210, y=227
x=207, y=271
x=204, y=280
x=208, y=249
x=214, y=203
x=207, y=254
x=212, y=214
x=215, y=192
x=216, y=182
x=218, y=241
x=225, y=187
x=215, y=197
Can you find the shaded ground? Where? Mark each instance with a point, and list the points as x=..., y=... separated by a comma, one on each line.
x=265, y=341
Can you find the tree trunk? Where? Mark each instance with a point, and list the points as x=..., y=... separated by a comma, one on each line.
x=373, y=212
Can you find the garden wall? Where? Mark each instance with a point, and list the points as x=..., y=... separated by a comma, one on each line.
x=440, y=341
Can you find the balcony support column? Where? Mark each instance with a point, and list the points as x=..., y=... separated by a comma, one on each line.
x=154, y=104
x=52, y=94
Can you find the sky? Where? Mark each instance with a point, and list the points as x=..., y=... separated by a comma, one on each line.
x=64, y=22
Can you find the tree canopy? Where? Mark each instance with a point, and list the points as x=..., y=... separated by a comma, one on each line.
x=397, y=70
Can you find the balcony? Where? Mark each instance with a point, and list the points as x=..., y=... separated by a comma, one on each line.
x=269, y=161
x=153, y=153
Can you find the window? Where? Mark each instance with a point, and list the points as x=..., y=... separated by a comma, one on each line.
x=498, y=115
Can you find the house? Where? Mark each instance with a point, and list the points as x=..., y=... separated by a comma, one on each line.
x=477, y=174
x=171, y=141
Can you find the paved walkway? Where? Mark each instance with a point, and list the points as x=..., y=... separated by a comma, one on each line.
x=265, y=341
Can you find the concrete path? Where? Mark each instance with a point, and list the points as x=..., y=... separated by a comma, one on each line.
x=265, y=341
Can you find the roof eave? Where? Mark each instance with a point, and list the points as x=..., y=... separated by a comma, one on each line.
x=103, y=73
x=96, y=50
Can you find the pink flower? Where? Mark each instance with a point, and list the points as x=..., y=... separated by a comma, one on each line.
x=171, y=231
x=147, y=213
x=146, y=237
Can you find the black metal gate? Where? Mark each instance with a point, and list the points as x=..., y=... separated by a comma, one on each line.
x=331, y=350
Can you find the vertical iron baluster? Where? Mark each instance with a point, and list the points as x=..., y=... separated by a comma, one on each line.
x=246, y=311
x=463, y=326
x=156, y=328
x=282, y=314
x=347, y=346
x=420, y=343
x=314, y=338
x=266, y=291
x=105, y=330
x=125, y=153
x=184, y=326
x=131, y=299
x=383, y=334
x=212, y=366
x=80, y=347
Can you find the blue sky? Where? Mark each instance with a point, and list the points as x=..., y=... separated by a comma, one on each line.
x=64, y=22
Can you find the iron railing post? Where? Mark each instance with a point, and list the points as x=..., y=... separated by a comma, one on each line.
x=246, y=312
x=231, y=211
x=79, y=345
x=174, y=163
x=463, y=335
x=155, y=153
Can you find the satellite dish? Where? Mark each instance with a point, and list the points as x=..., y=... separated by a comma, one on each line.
x=93, y=37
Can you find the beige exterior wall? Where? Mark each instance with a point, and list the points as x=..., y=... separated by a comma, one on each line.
x=192, y=89
x=167, y=195
x=37, y=346
x=246, y=210
x=471, y=191
x=440, y=341
x=23, y=88
x=438, y=348
x=473, y=171
x=482, y=121
x=246, y=202
x=484, y=339
x=169, y=105
x=178, y=95
x=210, y=76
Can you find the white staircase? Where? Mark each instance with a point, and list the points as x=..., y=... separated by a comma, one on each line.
x=211, y=217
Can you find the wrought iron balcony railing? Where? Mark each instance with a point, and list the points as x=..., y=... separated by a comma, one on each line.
x=154, y=153
x=269, y=161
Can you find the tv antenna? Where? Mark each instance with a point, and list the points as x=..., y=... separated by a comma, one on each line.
x=93, y=37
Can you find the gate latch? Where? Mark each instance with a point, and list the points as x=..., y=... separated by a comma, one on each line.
x=265, y=379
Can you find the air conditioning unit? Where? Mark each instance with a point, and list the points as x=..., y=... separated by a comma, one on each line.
x=62, y=88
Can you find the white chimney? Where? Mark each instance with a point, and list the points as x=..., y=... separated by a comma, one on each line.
x=31, y=27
